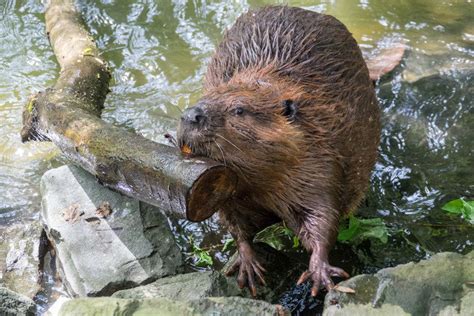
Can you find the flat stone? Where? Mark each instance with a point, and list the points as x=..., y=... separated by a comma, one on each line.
x=365, y=310
x=98, y=256
x=19, y=245
x=228, y=306
x=440, y=285
x=420, y=66
x=12, y=304
x=184, y=287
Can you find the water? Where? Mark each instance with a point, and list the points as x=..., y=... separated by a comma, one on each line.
x=158, y=51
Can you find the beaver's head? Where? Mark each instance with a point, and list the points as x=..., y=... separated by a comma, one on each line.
x=251, y=125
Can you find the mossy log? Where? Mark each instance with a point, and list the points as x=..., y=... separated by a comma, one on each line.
x=69, y=115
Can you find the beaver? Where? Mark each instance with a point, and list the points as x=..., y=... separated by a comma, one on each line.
x=289, y=106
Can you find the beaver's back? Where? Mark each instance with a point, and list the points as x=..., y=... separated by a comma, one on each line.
x=317, y=52
x=304, y=45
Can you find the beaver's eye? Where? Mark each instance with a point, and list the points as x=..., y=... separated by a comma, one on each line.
x=239, y=111
x=289, y=108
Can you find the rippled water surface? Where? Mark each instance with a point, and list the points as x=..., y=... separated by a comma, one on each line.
x=158, y=51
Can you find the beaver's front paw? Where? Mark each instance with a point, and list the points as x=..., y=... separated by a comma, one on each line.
x=249, y=268
x=320, y=272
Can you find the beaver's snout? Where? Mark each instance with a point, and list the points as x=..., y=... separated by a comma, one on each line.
x=193, y=116
x=192, y=129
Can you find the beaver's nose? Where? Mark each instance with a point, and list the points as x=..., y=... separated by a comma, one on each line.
x=193, y=115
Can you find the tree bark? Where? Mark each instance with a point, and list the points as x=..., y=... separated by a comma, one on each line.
x=69, y=115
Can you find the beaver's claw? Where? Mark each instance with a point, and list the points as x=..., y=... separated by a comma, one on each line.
x=320, y=272
x=249, y=269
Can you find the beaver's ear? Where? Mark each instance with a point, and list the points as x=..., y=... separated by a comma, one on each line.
x=290, y=109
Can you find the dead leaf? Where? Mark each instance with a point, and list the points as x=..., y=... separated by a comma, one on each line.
x=385, y=61
x=104, y=210
x=343, y=289
x=72, y=213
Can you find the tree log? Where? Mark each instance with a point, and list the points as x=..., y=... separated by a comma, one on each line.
x=69, y=115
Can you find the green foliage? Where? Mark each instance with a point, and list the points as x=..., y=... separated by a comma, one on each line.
x=355, y=230
x=278, y=236
x=30, y=105
x=461, y=207
x=358, y=230
x=229, y=243
x=202, y=258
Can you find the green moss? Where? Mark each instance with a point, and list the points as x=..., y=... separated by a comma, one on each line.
x=30, y=105
x=89, y=51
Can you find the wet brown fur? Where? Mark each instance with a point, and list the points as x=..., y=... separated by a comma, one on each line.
x=307, y=169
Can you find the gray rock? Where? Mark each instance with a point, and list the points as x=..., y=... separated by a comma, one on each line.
x=440, y=285
x=19, y=245
x=228, y=306
x=14, y=304
x=98, y=256
x=184, y=287
x=419, y=65
x=366, y=310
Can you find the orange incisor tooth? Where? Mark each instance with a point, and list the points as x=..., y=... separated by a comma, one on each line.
x=185, y=149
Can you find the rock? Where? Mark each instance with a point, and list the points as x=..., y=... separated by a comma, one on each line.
x=19, y=245
x=367, y=310
x=421, y=65
x=228, y=306
x=98, y=256
x=441, y=285
x=184, y=287
x=54, y=309
x=12, y=303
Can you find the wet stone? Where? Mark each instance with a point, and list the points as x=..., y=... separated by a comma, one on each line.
x=441, y=285
x=99, y=255
x=12, y=304
x=189, y=286
x=229, y=306
x=19, y=257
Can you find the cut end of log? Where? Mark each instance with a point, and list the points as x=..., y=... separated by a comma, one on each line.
x=30, y=118
x=209, y=193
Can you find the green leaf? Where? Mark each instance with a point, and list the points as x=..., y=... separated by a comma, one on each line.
x=278, y=236
x=461, y=207
x=228, y=244
x=376, y=232
x=468, y=210
x=296, y=242
x=348, y=233
x=361, y=229
x=204, y=259
x=454, y=206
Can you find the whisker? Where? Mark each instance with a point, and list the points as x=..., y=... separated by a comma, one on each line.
x=222, y=152
x=218, y=135
x=242, y=134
